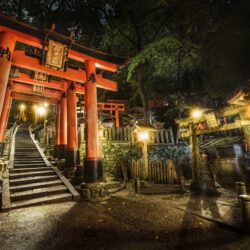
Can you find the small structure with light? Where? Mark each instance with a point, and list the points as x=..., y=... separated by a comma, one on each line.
x=144, y=135
x=196, y=113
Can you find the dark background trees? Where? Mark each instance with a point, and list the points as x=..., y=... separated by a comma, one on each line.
x=191, y=50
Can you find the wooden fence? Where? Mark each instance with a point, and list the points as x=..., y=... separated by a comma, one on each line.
x=159, y=172
x=161, y=136
x=118, y=134
x=136, y=170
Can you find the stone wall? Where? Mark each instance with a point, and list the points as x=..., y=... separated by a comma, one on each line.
x=114, y=154
x=118, y=154
x=179, y=154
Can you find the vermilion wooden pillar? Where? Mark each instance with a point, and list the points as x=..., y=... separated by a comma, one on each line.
x=93, y=163
x=4, y=117
x=58, y=125
x=117, y=122
x=7, y=46
x=72, y=140
x=63, y=127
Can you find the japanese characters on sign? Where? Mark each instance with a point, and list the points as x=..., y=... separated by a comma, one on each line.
x=38, y=88
x=39, y=76
x=56, y=55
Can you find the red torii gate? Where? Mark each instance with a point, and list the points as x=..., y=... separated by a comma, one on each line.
x=109, y=106
x=62, y=92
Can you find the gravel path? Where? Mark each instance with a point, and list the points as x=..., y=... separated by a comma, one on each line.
x=125, y=221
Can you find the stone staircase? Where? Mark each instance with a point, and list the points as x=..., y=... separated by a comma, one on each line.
x=32, y=180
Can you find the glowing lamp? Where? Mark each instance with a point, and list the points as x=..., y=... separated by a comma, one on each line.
x=143, y=136
x=22, y=107
x=45, y=104
x=196, y=114
x=41, y=111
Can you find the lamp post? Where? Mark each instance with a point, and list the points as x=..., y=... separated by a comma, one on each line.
x=143, y=137
x=196, y=114
x=22, y=107
x=42, y=112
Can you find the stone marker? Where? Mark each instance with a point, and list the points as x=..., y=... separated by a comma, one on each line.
x=137, y=185
x=245, y=209
x=240, y=189
x=182, y=183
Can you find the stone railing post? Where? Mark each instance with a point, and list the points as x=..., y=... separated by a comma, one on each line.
x=240, y=189
x=182, y=183
x=245, y=210
x=5, y=186
x=137, y=185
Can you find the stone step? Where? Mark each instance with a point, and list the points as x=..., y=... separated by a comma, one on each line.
x=38, y=192
x=30, y=161
x=28, y=155
x=42, y=200
x=27, y=158
x=35, y=185
x=25, y=147
x=29, y=164
x=25, y=150
x=29, y=180
x=22, y=170
x=31, y=173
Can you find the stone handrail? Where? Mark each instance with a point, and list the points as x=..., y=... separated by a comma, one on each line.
x=12, y=146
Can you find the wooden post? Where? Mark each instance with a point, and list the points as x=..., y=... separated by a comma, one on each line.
x=58, y=125
x=93, y=163
x=194, y=150
x=117, y=122
x=145, y=161
x=63, y=127
x=72, y=140
x=246, y=130
x=4, y=117
x=7, y=46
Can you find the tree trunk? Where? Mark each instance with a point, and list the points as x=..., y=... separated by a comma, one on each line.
x=143, y=94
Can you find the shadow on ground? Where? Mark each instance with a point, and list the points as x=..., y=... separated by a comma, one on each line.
x=116, y=224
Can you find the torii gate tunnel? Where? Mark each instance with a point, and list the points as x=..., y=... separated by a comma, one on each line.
x=60, y=68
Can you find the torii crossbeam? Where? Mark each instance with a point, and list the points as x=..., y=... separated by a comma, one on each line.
x=57, y=49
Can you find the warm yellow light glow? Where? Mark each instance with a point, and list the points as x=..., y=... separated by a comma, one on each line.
x=143, y=136
x=41, y=111
x=196, y=114
x=35, y=107
x=45, y=104
x=22, y=107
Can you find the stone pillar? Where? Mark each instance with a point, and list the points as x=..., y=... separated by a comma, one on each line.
x=4, y=117
x=72, y=141
x=93, y=163
x=58, y=126
x=63, y=127
x=7, y=46
x=245, y=211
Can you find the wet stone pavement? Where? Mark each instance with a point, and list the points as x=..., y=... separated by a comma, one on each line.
x=125, y=221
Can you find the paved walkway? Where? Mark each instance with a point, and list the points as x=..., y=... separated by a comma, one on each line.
x=222, y=209
x=125, y=221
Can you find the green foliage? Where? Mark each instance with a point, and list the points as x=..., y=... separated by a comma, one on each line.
x=161, y=59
